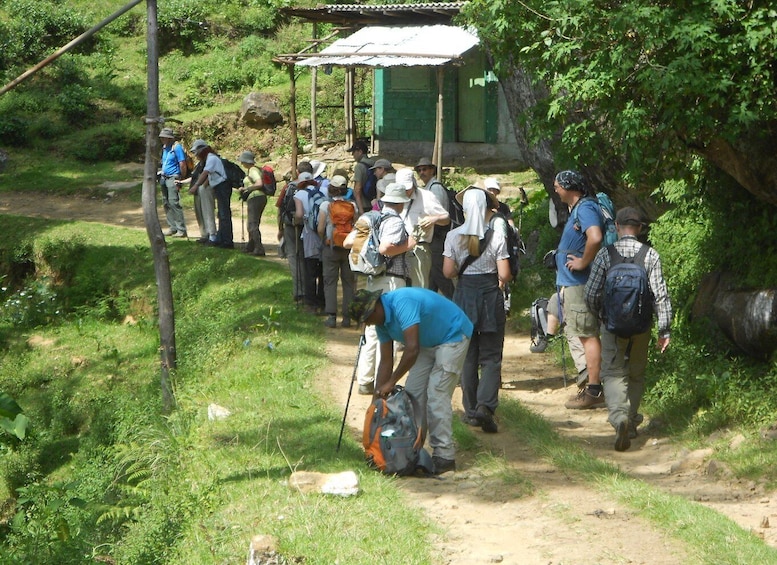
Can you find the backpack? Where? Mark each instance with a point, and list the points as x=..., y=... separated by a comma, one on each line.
x=235, y=173
x=269, y=184
x=288, y=206
x=315, y=198
x=364, y=256
x=609, y=233
x=370, y=188
x=627, y=304
x=513, y=242
x=187, y=159
x=394, y=437
x=341, y=214
x=539, y=320
x=455, y=211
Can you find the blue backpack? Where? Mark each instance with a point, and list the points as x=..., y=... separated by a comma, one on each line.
x=609, y=233
x=315, y=198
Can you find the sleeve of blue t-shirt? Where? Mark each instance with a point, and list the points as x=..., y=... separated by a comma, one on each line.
x=179, y=154
x=589, y=215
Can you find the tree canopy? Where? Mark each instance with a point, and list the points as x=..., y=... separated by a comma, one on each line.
x=641, y=86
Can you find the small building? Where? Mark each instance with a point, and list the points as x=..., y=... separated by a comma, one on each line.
x=422, y=64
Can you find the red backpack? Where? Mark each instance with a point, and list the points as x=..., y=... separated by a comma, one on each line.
x=269, y=184
x=341, y=215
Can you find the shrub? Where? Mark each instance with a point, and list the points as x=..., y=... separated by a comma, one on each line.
x=35, y=28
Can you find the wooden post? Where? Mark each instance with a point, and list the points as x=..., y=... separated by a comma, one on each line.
x=293, y=118
x=313, y=96
x=350, y=121
x=167, y=348
x=438, y=131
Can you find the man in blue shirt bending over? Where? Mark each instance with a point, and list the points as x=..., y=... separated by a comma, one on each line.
x=436, y=336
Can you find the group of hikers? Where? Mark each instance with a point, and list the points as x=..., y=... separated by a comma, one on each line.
x=439, y=296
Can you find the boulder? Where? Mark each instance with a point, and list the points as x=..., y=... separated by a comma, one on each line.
x=260, y=111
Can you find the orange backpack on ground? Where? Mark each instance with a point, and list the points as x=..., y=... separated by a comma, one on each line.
x=341, y=215
x=393, y=438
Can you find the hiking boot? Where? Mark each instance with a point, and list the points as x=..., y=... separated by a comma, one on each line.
x=485, y=418
x=442, y=465
x=331, y=321
x=633, y=423
x=470, y=421
x=585, y=399
x=540, y=345
x=622, y=441
x=180, y=234
x=346, y=323
x=367, y=389
x=171, y=232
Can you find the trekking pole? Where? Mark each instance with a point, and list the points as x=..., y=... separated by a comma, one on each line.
x=242, y=222
x=350, y=390
x=561, y=322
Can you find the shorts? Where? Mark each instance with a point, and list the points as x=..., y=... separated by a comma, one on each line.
x=581, y=322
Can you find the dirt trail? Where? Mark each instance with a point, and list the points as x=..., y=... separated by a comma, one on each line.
x=560, y=520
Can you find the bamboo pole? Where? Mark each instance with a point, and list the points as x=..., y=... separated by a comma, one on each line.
x=314, y=97
x=293, y=118
x=62, y=50
x=438, y=132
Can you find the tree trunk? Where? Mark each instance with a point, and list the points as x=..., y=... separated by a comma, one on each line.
x=153, y=229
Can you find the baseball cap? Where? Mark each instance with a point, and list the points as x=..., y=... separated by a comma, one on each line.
x=405, y=177
x=629, y=216
x=338, y=181
x=360, y=145
x=363, y=304
x=492, y=183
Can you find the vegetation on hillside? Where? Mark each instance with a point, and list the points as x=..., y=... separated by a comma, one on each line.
x=91, y=470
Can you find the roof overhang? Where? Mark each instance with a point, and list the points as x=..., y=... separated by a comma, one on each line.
x=386, y=14
x=379, y=46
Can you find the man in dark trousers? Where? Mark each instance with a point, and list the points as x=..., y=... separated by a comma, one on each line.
x=624, y=360
x=436, y=334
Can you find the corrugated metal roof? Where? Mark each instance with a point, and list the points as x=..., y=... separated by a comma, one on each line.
x=394, y=7
x=378, y=46
x=382, y=14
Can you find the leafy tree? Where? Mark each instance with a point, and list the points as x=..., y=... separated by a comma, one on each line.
x=635, y=87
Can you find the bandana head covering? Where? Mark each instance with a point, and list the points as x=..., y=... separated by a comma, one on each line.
x=572, y=180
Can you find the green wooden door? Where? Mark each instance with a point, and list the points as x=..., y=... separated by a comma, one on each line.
x=472, y=99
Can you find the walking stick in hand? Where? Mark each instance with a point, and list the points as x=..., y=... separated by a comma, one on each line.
x=350, y=390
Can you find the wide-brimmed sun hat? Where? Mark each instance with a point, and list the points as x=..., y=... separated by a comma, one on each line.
x=395, y=193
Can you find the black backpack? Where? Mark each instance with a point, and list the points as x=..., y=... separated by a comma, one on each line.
x=455, y=209
x=235, y=173
x=288, y=206
x=627, y=304
x=514, y=244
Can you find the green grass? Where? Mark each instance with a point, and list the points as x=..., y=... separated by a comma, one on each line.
x=708, y=535
x=182, y=489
